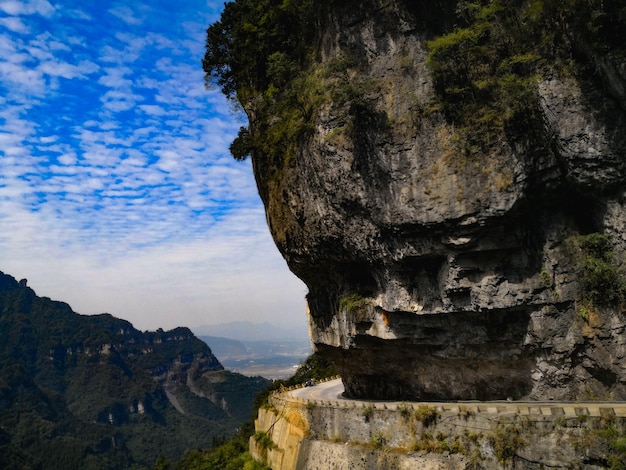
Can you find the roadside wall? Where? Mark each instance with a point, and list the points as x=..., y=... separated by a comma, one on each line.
x=307, y=435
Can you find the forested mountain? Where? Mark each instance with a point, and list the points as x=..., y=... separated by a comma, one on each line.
x=94, y=392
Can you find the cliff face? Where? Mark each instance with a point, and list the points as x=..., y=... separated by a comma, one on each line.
x=435, y=273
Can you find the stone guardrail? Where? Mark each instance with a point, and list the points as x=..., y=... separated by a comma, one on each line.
x=556, y=409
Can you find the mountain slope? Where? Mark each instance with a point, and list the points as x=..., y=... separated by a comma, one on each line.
x=93, y=392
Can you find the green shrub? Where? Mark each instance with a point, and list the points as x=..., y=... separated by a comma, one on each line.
x=466, y=413
x=264, y=440
x=506, y=440
x=484, y=75
x=405, y=411
x=377, y=441
x=368, y=412
x=486, y=69
x=427, y=415
x=602, y=280
x=604, y=443
x=583, y=311
x=437, y=444
x=352, y=302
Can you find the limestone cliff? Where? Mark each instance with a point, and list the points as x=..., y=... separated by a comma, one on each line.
x=447, y=258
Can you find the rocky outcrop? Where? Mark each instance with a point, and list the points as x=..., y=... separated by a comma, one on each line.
x=436, y=276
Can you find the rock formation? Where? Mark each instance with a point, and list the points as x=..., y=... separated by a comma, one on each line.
x=439, y=268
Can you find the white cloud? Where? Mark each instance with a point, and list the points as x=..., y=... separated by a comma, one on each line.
x=153, y=110
x=54, y=68
x=32, y=68
x=27, y=7
x=116, y=77
x=14, y=24
x=117, y=101
x=125, y=14
x=23, y=78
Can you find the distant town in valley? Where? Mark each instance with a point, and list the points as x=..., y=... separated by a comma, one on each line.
x=257, y=349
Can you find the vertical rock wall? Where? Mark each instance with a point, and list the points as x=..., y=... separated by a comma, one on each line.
x=436, y=276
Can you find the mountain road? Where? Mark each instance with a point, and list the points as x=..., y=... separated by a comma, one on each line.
x=332, y=392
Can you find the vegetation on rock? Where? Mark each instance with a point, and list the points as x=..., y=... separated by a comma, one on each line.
x=256, y=53
x=263, y=55
x=485, y=71
x=602, y=277
x=352, y=302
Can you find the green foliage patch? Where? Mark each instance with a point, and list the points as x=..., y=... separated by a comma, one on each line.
x=263, y=55
x=438, y=444
x=258, y=43
x=427, y=415
x=230, y=455
x=602, y=277
x=605, y=443
x=367, y=413
x=352, y=302
x=485, y=70
x=405, y=411
x=506, y=440
x=264, y=440
x=377, y=441
x=257, y=53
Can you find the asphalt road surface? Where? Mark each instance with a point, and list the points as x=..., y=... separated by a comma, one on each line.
x=333, y=389
x=330, y=390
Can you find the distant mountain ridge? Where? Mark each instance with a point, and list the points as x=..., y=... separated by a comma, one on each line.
x=252, y=331
x=226, y=347
x=94, y=392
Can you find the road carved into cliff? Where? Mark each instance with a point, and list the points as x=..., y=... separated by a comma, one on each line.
x=317, y=427
x=331, y=393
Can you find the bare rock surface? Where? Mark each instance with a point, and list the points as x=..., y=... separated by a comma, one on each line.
x=432, y=276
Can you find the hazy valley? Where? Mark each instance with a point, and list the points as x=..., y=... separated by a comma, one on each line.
x=271, y=358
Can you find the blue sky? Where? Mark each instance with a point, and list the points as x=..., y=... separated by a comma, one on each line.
x=117, y=191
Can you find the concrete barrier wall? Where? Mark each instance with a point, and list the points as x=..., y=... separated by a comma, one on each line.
x=342, y=434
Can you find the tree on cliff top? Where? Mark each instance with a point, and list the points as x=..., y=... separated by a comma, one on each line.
x=257, y=43
x=252, y=52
